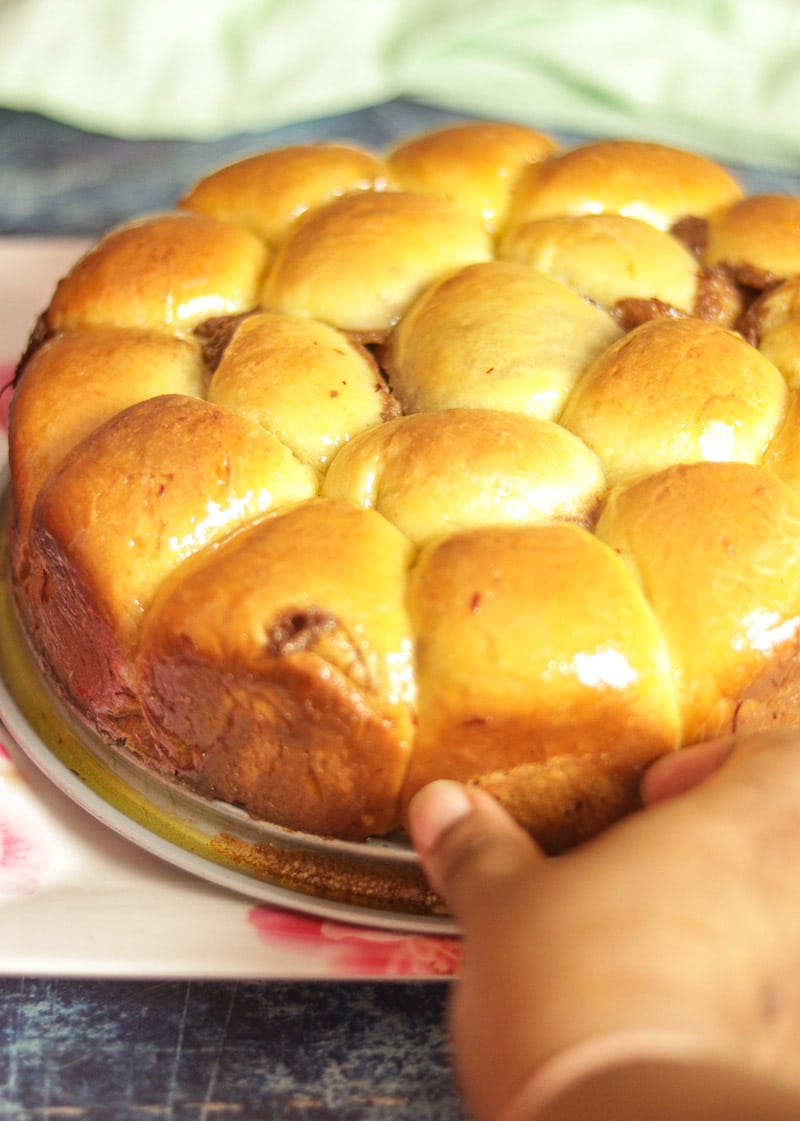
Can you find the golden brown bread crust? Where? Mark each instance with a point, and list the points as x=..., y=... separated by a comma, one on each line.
x=167, y=272
x=357, y=471
x=359, y=261
x=495, y=335
x=608, y=258
x=291, y=695
x=278, y=370
x=267, y=192
x=66, y=393
x=594, y=681
x=701, y=391
x=430, y=473
x=653, y=182
x=758, y=236
x=725, y=587
x=142, y=493
x=469, y=164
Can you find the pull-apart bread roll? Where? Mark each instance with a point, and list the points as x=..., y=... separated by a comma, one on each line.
x=495, y=335
x=702, y=393
x=634, y=270
x=542, y=675
x=652, y=182
x=169, y=271
x=268, y=191
x=725, y=587
x=302, y=380
x=477, y=458
x=66, y=393
x=758, y=237
x=772, y=323
x=149, y=488
x=435, y=473
x=471, y=164
x=359, y=261
x=290, y=690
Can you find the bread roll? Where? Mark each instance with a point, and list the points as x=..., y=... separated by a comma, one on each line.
x=701, y=393
x=608, y=258
x=542, y=675
x=66, y=393
x=302, y=380
x=782, y=456
x=142, y=493
x=654, y=182
x=167, y=272
x=359, y=262
x=495, y=335
x=772, y=310
x=772, y=324
x=267, y=192
x=473, y=165
x=293, y=695
x=759, y=235
x=437, y=473
x=725, y=587
x=782, y=348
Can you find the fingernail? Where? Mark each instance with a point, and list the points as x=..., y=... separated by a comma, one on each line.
x=435, y=809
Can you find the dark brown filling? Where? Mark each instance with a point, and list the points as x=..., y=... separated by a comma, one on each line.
x=215, y=334
x=297, y=630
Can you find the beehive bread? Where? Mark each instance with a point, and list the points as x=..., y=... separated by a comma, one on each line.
x=477, y=458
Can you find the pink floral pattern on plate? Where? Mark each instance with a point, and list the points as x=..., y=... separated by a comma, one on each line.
x=24, y=857
x=359, y=951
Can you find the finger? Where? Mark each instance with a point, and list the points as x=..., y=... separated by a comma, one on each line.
x=473, y=852
x=489, y=871
x=678, y=771
x=766, y=754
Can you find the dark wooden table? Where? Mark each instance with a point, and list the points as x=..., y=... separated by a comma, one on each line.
x=223, y=1051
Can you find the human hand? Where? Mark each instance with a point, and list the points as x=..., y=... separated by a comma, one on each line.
x=681, y=921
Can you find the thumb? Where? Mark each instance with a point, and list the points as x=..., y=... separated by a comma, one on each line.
x=474, y=854
x=489, y=872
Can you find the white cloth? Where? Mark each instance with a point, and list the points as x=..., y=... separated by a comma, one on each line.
x=719, y=75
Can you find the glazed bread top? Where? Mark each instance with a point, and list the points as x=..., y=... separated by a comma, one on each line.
x=267, y=192
x=759, y=236
x=67, y=393
x=631, y=177
x=608, y=258
x=279, y=370
x=471, y=165
x=170, y=271
x=358, y=262
x=495, y=335
x=429, y=473
x=702, y=393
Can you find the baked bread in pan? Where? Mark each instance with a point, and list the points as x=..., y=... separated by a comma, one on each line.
x=478, y=458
